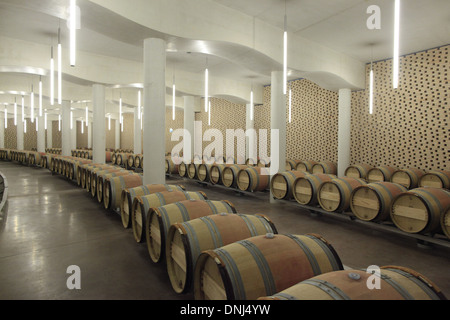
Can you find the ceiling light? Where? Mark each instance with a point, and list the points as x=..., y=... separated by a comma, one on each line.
x=6, y=117
x=120, y=109
x=371, y=90
x=139, y=104
x=252, y=106
x=209, y=113
x=15, y=111
x=59, y=67
x=45, y=121
x=25, y=127
x=52, y=79
x=206, y=86
x=173, y=99
x=32, y=104
x=59, y=122
x=23, y=109
x=109, y=122
x=40, y=96
x=290, y=105
x=285, y=56
x=82, y=126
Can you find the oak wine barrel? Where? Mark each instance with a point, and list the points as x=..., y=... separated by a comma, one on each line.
x=97, y=191
x=358, y=171
x=306, y=166
x=253, y=179
x=112, y=189
x=160, y=220
x=128, y=196
x=420, y=210
x=435, y=179
x=395, y=283
x=305, y=188
x=407, y=177
x=381, y=174
x=282, y=184
x=334, y=195
x=142, y=204
x=186, y=241
x=261, y=266
x=326, y=167
x=372, y=202
x=229, y=174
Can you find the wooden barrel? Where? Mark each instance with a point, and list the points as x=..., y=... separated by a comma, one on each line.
x=306, y=166
x=204, y=172
x=113, y=158
x=101, y=178
x=160, y=220
x=142, y=205
x=216, y=173
x=74, y=167
x=122, y=158
x=380, y=174
x=358, y=171
x=253, y=179
x=183, y=169
x=408, y=178
x=305, y=188
x=187, y=240
x=261, y=266
x=435, y=179
x=326, y=167
x=372, y=202
x=291, y=164
x=138, y=161
x=395, y=283
x=445, y=222
x=112, y=189
x=420, y=210
x=334, y=195
x=282, y=184
x=130, y=160
x=192, y=172
x=128, y=196
x=171, y=167
x=229, y=174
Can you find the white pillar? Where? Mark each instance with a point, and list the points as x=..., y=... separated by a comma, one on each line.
x=49, y=134
x=73, y=135
x=65, y=128
x=189, y=126
x=117, y=134
x=20, y=134
x=278, y=126
x=2, y=132
x=344, y=136
x=137, y=132
x=251, y=143
x=154, y=111
x=99, y=134
x=89, y=129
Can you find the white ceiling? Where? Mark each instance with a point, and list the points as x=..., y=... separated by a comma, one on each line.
x=337, y=24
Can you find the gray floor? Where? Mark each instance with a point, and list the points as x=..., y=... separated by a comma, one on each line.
x=52, y=224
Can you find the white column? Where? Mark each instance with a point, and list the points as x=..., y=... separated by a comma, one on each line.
x=20, y=134
x=49, y=134
x=73, y=135
x=99, y=134
x=154, y=111
x=89, y=129
x=41, y=134
x=65, y=129
x=117, y=134
x=344, y=136
x=2, y=132
x=137, y=132
x=250, y=140
x=278, y=126
x=189, y=126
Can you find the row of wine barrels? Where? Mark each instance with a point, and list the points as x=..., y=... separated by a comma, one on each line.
x=187, y=240
x=134, y=161
x=305, y=189
x=253, y=179
x=129, y=194
x=161, y=218
x=142, y=204
x=262, y=266
x=122, y=158
x=435, y=179
x=359, y=171
x=395, y=283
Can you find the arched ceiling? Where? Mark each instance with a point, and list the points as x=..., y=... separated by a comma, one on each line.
x=240, y=41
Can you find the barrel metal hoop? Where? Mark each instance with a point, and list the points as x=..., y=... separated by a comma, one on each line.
x=233, y=274
x=250, y=225
x=212, y=206
x=284, y=296
x=312, y=260
x=263, y=266
x=421, y=283
x=213, y=230
x=326, y=248
x=330, y=289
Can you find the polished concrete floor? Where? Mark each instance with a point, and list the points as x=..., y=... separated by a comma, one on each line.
x=52, y=224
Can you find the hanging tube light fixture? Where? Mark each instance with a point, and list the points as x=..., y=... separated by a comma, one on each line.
x=396, y=66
